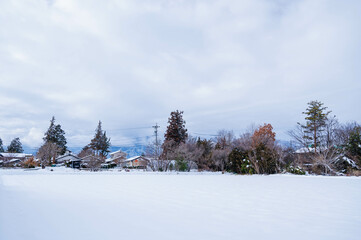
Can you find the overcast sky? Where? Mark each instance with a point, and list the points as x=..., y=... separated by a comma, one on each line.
x=227, y=64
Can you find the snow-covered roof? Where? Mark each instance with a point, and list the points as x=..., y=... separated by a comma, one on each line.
x=14, y=160
x=68, y=155
x=309, y=149
x=116, y=152
x=303, y=150
x=16, y=155
x=134, y=158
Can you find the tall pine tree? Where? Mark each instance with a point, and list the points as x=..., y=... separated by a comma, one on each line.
x=176, y=133
x=15, y=146
x=100, y=144
x=176, y=130
x=56, y=135
x=1, y=145
x=316, y=117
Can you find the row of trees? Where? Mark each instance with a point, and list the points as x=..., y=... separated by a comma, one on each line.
x=14, y=147
x=54, y=145
x=320, y=145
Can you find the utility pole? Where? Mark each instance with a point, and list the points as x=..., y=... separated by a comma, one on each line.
x=156, y=133
x=156, y=138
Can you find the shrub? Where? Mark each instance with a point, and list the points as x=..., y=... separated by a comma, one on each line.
x=181, y=165
x=264, y=159
x=296, y=170
x=239, y=162
x=30, y=163
x=171, y=167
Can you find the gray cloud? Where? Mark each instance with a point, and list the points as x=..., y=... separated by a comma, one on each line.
x=227, y=64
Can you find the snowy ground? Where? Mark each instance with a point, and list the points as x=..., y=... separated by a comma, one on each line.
x=67, y=204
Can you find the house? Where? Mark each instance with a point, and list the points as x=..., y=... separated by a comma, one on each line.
x=13, y=159
x=135, y=162
x=20, y=156
x=69, y=159
x=116, y=158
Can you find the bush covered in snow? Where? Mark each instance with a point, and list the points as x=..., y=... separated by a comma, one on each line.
x=296, y=170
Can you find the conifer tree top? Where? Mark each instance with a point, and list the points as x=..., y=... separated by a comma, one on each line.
x=316, y=117
x=1, y=145
x=56, y=134
x=176, y=130
x=100, y=143
x=15, y=146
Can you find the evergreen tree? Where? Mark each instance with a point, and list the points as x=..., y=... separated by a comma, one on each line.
x=1, y=145
x=353, y=146
x=264, y=159
x=15, y=146
x=100, y=143
x=239, y=162
x=175, y=135
x=316, y=118
x=176, y=130
x=56, y=135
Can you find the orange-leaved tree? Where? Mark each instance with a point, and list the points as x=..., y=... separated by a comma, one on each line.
x=264, y=135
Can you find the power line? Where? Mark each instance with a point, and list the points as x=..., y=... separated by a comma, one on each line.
x=206, y=134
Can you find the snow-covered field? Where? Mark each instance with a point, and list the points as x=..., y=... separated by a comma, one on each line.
x=67, y=204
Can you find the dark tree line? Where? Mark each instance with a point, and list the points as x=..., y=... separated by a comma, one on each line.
x=321, y=145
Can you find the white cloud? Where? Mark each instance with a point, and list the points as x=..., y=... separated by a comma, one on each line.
x=129, y=63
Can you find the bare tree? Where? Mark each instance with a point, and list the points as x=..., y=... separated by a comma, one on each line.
x=94, y=161
x=48, y=153
x=189, y=152
x=167, y=156
x=220, y=157
x=153, y=151
x=225, y=142
x=329, y=152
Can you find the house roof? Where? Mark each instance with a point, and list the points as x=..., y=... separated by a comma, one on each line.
x=116, y=152
x=16, y=155
x=14, y=160
x=120, y=152
x=134, y=158
x=67, y=155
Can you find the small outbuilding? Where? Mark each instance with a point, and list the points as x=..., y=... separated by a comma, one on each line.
x=69, y=159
